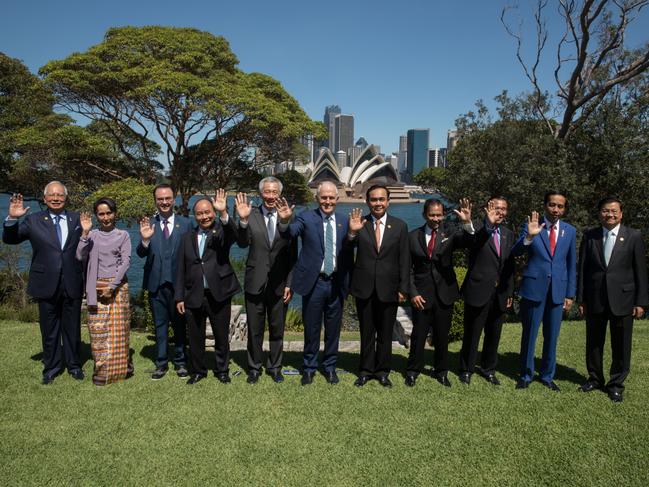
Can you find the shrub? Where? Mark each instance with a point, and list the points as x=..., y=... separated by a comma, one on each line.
x=457, y=324
x=293, y=321
x=141, y=316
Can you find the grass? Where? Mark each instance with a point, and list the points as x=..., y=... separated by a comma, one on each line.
x=142, y=432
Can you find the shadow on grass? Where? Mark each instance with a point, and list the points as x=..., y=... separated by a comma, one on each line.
x=85, y=354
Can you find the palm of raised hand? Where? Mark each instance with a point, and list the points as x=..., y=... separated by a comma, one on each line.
x=16, y=208
x=284, y=211
x=533, y=225
x=243, y=206
x=86, y=222
x=220, y=200
x=146, y=229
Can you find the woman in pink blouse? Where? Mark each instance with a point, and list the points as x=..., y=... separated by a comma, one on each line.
x=106, y=252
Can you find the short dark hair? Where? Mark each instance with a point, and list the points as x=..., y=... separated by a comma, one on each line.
x=110, y=202
x=498, y=197
x=202, y=198
x=609, y=199
x=164, y=186
x=433, y=202
x=554, y=192
x=376, y=186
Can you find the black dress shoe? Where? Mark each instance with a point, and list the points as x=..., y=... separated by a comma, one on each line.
x=47, y=380
x=253, y=377
x=385, y=381
x=307, y=378
x=465, y=378
x=492, y=379
x=443, y=379
x=615, y=396
x=362, y=380
x=77, y=374
x=182, y=372
x=411, y=380
x=158, y=374
x=223, y=377
x=522, y=384
x=331, y=377
x=277, y=376
x=587, y=386
x=194, y=379
x=551, y=385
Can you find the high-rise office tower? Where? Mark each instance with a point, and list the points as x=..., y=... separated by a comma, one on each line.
x=329, y=116
x=343, y=132
x=403, y=143
x=417, y=159
x=451, y=140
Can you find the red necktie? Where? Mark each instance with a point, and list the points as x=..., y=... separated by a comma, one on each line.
x=431, y=244
x=553, y=239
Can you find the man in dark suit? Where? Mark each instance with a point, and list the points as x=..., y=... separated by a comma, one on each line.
x=160, y=241
x=267, y=284
x=548, y=286
x=380, y=280
x=487, y=291
x=55, y=276
x=612, y=287
x=320, y=276
x=433, y=285
x=205, y=284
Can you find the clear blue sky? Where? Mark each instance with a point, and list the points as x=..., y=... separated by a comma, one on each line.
x=393, y=65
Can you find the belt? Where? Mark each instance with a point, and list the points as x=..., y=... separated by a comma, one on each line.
x=324, y=277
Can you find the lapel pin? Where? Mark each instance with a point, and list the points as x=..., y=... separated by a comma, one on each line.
x=177, y=226
x=389, y=226
x=621, y=239
x=562, y=230
x=45, y=218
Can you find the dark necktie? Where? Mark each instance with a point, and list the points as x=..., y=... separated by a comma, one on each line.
x=165, y=228
x=496, y=241
x=57, y=226
x=431, y=243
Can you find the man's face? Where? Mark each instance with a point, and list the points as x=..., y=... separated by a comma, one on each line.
x=55, y=197
x=434, y=216
x=555, y=207
x=164, y=200
x=501, y=208
x=610, y=215
x=327, y=199
x=204, y=214
x=378, y=202
x=269, y=194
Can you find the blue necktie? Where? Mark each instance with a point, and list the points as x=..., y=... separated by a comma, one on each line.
x=609, y=243
x=329, y=248
x=57, y=225
x=201, y=249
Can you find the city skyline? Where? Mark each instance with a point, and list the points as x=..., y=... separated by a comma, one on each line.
x=393, y=67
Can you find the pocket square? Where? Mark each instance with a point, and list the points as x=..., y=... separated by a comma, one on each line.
x=444, y=240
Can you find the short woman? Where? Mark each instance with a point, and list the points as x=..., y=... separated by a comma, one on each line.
x=107, y=253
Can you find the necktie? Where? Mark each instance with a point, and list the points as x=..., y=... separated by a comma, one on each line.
x=165, y=228
x=553, y=239
x=201, y=243
x=270, y=228
x=609, y=243
x=431, y=243
x=57, y=226
x=377, y=234
x=497, y=242
x=329, y=248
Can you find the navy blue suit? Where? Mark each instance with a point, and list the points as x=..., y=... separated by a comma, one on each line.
x=322, y=296
x=56, y=282
x=159, y=280
x=547, y=281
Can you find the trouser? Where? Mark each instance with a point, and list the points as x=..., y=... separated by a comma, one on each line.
x=259, y=307
x=219, y=314
x=376, y=319
x=163, y=308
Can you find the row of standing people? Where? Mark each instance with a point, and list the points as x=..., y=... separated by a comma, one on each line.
x=373, y=257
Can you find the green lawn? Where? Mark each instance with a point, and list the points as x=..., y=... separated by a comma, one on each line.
x=166, y=433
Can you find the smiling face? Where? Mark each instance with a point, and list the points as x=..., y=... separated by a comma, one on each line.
x=555, y=207
x=434, y=215
x=204, y=214
x=55, y=197
x=327, y=198
x=269, y=194
x=105, y=217
x=378, y=202
x=610, y=215
x=164, y=201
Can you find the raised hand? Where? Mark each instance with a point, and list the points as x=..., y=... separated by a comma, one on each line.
x=491, y=213
x=464, y=213
x=86, y=223
x=356, y=220
x=284, y=211
x=16, y=208
x=220, y=200
x=146, y=229
x=533, y=227
x=243, y=206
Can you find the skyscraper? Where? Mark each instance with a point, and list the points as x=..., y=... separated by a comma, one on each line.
x=330, y=114
x=417, y=159
x=452, y=139
x=343, y=132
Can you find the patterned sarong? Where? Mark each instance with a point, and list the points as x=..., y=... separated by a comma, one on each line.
x=109, y=327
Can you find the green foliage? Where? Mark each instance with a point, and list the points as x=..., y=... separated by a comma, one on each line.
x=295, y=187
x=133, y=198
x=350, y=316
x=430, y=177
x=457, y=324
x=293, y=320
x=141, y=315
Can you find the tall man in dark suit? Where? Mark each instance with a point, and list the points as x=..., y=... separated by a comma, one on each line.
x=55, y=276
x=548, y=286
x=205, y=284
x=160, y=241
x=433, y=285
x=612, y=288
x=320, y=276
x=380, y=280
x=267, y=285
x=487, y=291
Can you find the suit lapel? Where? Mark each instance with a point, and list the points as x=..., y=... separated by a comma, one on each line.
x=257, y=218
x=195, y=234
x=620, y=240
x=368, y=228
x=339, y=232
x=71, y=226
x=421, y=238
x=49, y=228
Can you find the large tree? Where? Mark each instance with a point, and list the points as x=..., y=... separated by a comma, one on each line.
x=182, y=88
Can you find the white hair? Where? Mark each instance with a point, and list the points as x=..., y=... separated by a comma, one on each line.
x=65, y=190
x=270, y=179
x=330, y=183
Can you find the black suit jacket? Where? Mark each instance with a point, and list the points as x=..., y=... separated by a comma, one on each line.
x=487, y=270
x=215, y=265
x=49, y=262
x=269, y=264
x=623, y=283
x=385, y=270
x=435, y=276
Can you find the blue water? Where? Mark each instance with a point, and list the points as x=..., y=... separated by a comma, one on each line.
x=409, y=212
